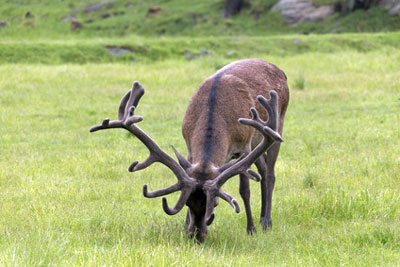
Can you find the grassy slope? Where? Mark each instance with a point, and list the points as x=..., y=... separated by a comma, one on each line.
x=200, y=18
x=155, y=49
x=67, y=198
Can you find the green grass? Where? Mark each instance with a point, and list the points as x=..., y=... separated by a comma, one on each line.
x=68, y=199
x=222, y=49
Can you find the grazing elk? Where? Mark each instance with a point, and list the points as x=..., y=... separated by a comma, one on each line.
x=216, y=131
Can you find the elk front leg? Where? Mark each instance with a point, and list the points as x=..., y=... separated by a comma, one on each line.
x=261, y=164
x=265, y=165
x=244, y=190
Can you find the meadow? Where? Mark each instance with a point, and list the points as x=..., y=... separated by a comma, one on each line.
x=67, y=198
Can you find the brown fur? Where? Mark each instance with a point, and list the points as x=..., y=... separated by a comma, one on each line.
x=240, y=84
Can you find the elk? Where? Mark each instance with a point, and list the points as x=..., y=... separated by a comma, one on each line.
x=221, y=141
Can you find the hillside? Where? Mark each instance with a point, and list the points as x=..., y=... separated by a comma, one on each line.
x=54, y=19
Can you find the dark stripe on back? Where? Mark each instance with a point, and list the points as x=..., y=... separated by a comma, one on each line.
x=212, y=100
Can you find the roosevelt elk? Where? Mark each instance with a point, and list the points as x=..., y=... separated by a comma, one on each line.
x=216, y=131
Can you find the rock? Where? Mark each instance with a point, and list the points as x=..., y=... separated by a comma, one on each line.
x=3, y=23
x=319, y=13
x=96, y=6
x=204, y=52
x=153, y=10
x=28, y=15
x=395, y=11
x=68, y=18
x=129, y=4
x=190, y=56
x=75, y=25
x=105, y=15
x=298, y=11
x=393, y=6
x=118, y=50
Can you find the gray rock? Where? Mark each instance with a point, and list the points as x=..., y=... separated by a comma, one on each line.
x=298, y=11
x=3, y=23
x=190, y=56
x=392, y=6
x=96, y=6
x=68, y=18
x=117, y=50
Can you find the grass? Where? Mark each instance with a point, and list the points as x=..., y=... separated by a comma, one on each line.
x=221, y=50
x=68, y=199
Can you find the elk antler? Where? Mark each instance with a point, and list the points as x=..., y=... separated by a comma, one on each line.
x=127, y=120
x=243, y=164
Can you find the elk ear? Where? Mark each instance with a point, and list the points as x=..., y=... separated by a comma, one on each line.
x=185, y=164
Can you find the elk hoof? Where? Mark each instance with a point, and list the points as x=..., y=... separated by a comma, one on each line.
x=251, y=230
x=266, y=223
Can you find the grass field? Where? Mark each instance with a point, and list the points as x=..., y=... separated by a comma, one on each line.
x=67, y=198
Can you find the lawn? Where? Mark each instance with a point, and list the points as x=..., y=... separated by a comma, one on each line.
x=67, y=198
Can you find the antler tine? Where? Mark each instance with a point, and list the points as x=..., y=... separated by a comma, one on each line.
x=106, y=124
x=211, y=194
x=180, y=204
x=131, y=99
x=271, y=106
x=161, y=192
x=230, y=163
x=270, y=136
x=209, y=215
x=182, y=160
x=228, y=198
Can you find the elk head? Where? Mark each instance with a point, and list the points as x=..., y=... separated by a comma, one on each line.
x=200, y=194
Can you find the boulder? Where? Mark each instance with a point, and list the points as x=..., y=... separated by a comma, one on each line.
x=393, y=6
x=298, y=11
x=153, y=10
x=75, y=25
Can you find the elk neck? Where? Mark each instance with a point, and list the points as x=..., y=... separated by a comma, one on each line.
x=211, y=151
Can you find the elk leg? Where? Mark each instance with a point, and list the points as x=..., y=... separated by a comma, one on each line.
x=261, y=164
x=266, y=165
x=244, y=190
